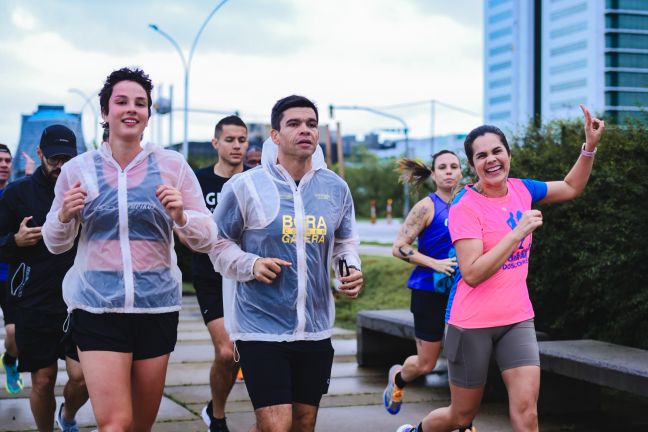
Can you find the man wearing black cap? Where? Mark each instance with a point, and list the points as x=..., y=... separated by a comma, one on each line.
x=36, y=285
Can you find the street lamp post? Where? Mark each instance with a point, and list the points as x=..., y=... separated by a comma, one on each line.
x=406, y=200
x=433, y=109
x=88, y=102
x=186, y=64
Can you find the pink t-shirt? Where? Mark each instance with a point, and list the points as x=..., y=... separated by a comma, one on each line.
x=503, y=298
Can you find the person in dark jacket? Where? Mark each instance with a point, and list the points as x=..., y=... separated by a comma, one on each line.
x=36, y=285
x=8, y=360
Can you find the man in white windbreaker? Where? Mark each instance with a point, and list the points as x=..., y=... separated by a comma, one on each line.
x=281, y=226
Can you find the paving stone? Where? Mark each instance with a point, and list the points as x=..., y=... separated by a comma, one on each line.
x=192, y=325
x=196, y=350
x=182, y=374
x=374, y=417
x=354, y=401
x=16, y=414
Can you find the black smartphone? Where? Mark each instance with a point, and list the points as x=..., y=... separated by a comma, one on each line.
x=343, y=268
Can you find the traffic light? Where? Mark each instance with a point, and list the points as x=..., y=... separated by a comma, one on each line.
x=331, y=108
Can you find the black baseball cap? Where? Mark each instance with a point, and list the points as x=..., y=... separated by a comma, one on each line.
x=58, y=140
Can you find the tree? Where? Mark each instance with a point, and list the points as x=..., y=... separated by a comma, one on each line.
x=371, y=178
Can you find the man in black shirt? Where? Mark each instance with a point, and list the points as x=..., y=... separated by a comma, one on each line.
x=37, y=284
x=231, y=142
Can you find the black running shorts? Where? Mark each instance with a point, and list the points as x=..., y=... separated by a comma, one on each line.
x=145, y=335
x=278, y=373
x=41, y=340
x=6, y=304
x=210, y=300
x=429, y=310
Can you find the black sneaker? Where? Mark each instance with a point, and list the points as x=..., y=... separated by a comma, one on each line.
x=215, y=425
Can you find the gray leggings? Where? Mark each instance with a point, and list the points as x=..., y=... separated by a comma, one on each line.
x=469, y=351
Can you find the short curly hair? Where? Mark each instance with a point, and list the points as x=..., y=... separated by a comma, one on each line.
x=124, y=74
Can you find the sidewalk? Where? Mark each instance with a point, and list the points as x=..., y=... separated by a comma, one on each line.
x=353, y=403
x=381, y=231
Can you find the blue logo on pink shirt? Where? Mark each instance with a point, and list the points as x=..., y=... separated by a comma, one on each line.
x=521, y=257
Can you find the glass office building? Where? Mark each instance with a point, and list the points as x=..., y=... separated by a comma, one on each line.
x=544, y=57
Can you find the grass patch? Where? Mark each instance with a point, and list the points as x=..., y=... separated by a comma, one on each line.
x=187, y=288
x=385, y=288
x=375, y=243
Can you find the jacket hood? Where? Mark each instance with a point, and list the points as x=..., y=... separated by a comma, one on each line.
x=270, y=153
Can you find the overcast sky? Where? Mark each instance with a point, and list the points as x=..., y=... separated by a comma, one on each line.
x=375, y=53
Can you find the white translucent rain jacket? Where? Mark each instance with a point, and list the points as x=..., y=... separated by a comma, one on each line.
x=125, y=260
x=263, y=213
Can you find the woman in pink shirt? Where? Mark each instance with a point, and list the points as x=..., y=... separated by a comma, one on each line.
x=491, y=225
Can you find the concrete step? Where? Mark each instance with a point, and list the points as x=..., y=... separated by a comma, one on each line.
x=192, y=350
x=343, y=391
x=375, y=418
x=197, y=356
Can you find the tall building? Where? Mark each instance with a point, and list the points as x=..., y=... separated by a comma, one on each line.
x=544, y=57
x=32, y=127
x=509, y=66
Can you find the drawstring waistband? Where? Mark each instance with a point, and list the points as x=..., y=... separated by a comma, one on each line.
x=66, y=323
x=24, y=271
x=237, y=356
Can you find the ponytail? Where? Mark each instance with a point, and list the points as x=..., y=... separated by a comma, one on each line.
x=413, y=172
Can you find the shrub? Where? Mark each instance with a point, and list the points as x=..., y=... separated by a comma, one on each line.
x=589, y=267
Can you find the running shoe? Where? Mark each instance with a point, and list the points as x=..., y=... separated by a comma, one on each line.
x=63, y=425
x=13, y=380
x=393, y=395
x=215, y=425
x=406, y=428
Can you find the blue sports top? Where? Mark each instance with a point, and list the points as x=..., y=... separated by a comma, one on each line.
x=145, y=212
x=434, y=241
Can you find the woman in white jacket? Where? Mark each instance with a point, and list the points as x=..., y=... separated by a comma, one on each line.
x=124, y=289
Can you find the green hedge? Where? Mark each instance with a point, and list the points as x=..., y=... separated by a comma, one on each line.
x=588, y=274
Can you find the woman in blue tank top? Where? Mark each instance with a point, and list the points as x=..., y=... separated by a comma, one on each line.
x=434, y=271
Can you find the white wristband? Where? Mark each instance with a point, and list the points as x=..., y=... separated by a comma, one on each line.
x=587, y=153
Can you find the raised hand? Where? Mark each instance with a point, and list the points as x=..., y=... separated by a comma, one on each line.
x=30, y=165
x=73, y=202
x=594, y=128
x=266, y=269
x=27, y=236
x=171, y=199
